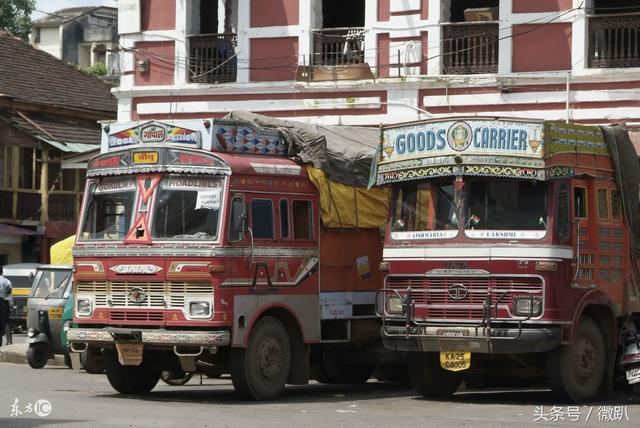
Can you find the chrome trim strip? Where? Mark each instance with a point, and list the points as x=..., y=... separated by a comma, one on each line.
x=113, y=251
x=157, y=337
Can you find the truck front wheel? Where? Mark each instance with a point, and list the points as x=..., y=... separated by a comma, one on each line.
x=129, y=379
x=428, y=378
x=260, y=371
x=576, y=372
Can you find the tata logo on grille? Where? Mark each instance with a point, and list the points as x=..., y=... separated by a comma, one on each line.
x=137, y=295
x=458, y=291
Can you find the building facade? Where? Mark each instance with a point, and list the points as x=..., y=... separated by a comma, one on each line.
x=84, y=36
x=366, y=62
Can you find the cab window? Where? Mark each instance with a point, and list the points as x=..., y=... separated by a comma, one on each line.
x=262, y=219
x=302, y=220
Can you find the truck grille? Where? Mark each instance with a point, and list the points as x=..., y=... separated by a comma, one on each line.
x=432, y=294
x=158, y=294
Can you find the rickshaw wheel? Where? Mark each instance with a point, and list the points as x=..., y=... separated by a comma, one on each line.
x=37, y=355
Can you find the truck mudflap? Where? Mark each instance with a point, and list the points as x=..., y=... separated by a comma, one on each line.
x=112, y=335
x=490, y=335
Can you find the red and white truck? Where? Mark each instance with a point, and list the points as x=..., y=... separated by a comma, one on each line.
x=203, y=246
x=511, y=253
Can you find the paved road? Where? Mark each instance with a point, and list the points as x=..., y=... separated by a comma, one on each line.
x=80, y=400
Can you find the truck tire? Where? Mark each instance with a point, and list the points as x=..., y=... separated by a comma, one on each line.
x=428, y=378
x=92, y=361
x=37, y=355
x=338, y=372
x=130, y=379
x=260, y=371
x=576, y=372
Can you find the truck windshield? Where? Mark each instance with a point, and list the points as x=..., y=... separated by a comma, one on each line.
x=424, y=207
x=188, y=207
x=508, y=205
x=109, y=209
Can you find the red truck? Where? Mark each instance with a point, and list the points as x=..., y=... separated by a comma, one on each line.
x=203, y=246
x=510, y=253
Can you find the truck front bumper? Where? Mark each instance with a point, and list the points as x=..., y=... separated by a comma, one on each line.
x=499, y=340
x=108, y=336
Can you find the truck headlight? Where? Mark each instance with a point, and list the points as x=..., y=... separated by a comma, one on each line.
x=200, y=309
x=83, y=307
x=395, y=305
x=527, y=306
x=66, y=326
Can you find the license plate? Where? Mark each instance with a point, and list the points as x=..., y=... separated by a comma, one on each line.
x=55, y=313
x=129, y=354
x=452, y=332
x=455, y=360
x=633, y=375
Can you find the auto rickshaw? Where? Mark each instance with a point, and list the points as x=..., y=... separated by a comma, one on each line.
x=51, y=289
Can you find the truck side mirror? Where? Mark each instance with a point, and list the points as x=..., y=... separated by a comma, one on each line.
x=238, y=219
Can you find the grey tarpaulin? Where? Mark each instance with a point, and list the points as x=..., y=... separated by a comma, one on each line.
x=627, y=170
x=343, y=153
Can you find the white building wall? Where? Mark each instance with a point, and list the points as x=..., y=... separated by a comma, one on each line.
x=50, y=41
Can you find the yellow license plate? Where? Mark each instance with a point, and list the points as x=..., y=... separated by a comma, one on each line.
x=55, y=313
x=455, y=360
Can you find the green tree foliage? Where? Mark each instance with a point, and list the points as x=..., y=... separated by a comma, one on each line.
x=98, y=69
x=15, y=17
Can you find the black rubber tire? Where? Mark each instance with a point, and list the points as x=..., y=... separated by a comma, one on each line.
x=260, y=371
x=175, y=378
x=337, y=372
x=92, y=361
x=67, y=360
x=37, y=355
x=130, y=379
x=572, y=377
x=428, y=378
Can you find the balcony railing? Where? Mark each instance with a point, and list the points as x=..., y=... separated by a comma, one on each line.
x=470, y=48
x=613, y=40
x=212, y=58
x=337, y=46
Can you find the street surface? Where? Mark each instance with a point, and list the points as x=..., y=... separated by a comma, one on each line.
x=78, y=399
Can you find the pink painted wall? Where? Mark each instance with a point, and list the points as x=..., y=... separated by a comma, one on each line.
x=384, y=42
x=273, y=59
x=271, y=13
x=161, y=57
x=527, y=6
x=384, y=10
x=158, y=14
x=541, y=47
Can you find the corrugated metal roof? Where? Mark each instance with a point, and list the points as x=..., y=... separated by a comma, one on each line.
x=69, y=147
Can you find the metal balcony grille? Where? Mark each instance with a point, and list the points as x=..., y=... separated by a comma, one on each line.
x=470, y=48
x=212, y=58
x=338, y=46
x=613, y=40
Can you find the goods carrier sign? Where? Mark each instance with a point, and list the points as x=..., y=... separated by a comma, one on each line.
x=501, y=147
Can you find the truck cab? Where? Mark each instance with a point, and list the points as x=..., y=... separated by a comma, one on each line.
x=507, y=253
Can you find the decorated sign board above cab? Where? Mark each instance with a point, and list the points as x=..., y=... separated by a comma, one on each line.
x=221, y=135
x=474, y=146
x=462, y=137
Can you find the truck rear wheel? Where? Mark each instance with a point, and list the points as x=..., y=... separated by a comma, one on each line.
x=129, y=379
x=260, y=371
x=92, y=361
x=576, y=372
x=428, y=378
